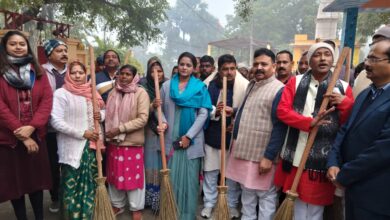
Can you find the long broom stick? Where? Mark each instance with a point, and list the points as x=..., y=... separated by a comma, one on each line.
x=103, y=209
x=222, y=210
x=286, y=210
x=347, y=75
x=168, y=208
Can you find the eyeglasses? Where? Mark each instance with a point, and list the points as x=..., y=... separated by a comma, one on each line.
x=374, y=59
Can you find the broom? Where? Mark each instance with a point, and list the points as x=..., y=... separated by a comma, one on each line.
x=168, y=208
x=286, y=210
x=347, y=75
x=103, y=209
x=221, y=211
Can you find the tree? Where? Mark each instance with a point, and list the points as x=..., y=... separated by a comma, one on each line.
x=124, y=54
x=190, y=28
x=368, y=23
x=133, y=21
x=275, y=21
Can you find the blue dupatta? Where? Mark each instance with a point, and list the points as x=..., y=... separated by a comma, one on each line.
x=194, y=96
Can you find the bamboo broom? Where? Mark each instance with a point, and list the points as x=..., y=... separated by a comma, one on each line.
x=168, y=208
x=221, y=211
x=286, y=210
x=103, y=209
x=347, y=75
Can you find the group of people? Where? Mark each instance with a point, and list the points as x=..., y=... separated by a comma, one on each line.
x=48, y=139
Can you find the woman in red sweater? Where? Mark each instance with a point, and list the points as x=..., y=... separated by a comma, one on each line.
x=25, y=106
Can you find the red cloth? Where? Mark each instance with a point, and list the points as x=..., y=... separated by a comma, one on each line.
x=312, y=192
x=125, y=167
x=81, y=90
x=42, y=101
x=287, y=115
x=20, y=172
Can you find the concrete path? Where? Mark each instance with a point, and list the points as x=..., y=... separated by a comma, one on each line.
x=7, y=212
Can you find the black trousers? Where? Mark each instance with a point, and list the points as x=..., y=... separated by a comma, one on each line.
x=352, y=212
x=36, y=200
x=52, y=148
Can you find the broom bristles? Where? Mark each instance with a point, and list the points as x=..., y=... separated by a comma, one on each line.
x=286, y=210
x=168, y=207
x=103, y=209
x=221, y=211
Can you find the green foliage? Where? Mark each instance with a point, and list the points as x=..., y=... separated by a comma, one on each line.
x=368, y=23
x=275, y=21
x=132, y=20
x=243, y=9
x=104, y=45
x=190, y=28
x=133, y=61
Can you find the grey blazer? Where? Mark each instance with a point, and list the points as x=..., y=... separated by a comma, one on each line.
x=195, y=150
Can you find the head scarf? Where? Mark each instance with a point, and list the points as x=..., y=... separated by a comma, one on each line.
x=148, y=81
x=120, y=103
x=84, y=89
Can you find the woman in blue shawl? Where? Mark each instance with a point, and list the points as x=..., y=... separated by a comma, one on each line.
x=186, y=106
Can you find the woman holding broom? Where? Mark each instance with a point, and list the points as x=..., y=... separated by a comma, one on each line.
x=186, y=103
x=72, y=116
x=152, y=145
x=127, y=115
x=24, y=112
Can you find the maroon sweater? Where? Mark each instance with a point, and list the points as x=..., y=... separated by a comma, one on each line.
x=42, y=98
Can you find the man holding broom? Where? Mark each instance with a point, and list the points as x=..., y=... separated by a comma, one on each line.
x=299, y=104
x=237, y=85
x=251, y=134
x=360, y=157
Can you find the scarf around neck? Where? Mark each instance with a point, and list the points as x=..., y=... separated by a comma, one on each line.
x=326, y=133
x=148, y=81
x=120, y=103
x=194, y=96
x=21, y=74
x=84, y=89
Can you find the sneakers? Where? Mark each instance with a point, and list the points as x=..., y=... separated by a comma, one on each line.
x=117, y=211
x=54, y=207
x=234, y=213
x=206, y=212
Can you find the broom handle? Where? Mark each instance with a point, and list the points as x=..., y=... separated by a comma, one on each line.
x=127, y=58
x=95, y=109
x=159, y=116
x=347, y=75
x=314, y=131
x=223, y=134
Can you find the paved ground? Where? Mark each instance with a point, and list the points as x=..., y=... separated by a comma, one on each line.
x=7, y=213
